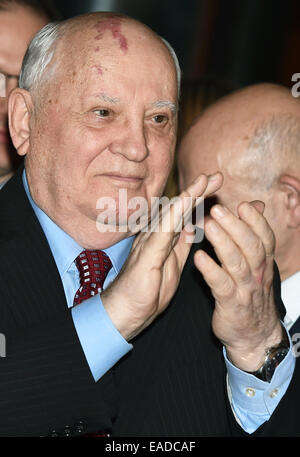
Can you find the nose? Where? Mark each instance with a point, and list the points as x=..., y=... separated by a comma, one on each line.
x=131, y=142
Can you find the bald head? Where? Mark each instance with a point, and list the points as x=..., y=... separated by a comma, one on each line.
x=253, y=137
x=252, y=134
x=60, y=47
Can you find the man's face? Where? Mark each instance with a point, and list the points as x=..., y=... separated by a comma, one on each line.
x=107, y=123
x=203, y=152
x=17, y=27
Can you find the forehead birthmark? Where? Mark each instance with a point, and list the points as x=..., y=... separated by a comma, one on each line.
x=114, y=25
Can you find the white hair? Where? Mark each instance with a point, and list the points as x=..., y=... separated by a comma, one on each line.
x=41, y=51
x=275, y=146
x=38, y=55
x=176, y=63
x=273, y=149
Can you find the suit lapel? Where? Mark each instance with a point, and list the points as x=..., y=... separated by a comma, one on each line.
x=26, y=256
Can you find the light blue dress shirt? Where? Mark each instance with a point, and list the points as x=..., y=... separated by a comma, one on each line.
x=101, y=342
x=253, y=401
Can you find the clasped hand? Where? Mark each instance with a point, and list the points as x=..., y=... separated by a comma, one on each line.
x=245, y=317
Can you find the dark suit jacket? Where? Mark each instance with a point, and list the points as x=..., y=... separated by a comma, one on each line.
x=171, y=384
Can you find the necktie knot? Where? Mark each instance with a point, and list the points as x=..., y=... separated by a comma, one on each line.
x=93, y=267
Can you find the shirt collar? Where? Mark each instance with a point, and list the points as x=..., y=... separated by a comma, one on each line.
x=65, y=249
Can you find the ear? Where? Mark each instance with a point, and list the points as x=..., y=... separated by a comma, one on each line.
x=20, y=107
x=290, y=185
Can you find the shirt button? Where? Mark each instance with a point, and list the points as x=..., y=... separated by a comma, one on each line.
x=273, y=393
x=250, y=392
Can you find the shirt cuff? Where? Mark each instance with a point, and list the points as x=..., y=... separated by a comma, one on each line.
x=253, y=400
x=101, y=342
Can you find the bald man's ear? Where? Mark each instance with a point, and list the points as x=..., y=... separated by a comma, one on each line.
x=291, y=188
x=20, y=107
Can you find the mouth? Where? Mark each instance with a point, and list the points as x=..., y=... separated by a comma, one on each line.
x=123, y=178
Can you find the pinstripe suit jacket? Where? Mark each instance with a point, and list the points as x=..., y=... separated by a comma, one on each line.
x=171, y=384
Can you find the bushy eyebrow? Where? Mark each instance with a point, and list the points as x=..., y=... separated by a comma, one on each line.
x=165, y=104
x=107, y=98
x=158, y=104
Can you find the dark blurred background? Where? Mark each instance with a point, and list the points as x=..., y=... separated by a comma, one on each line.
x=239, y=42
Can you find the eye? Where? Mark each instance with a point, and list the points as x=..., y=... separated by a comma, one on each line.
x=160, y=119
x=102, y=112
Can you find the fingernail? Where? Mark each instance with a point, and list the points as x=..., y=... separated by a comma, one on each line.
x=212, y=178
x=219, y=211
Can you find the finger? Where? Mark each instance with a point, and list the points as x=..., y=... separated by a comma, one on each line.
x=179, y=210
x=249, y=213
x=183, y=245
x=249, y=243
x=229, y=254
x=214, y=182
x=253, y=217
x=193, y=196
x=186, y=233
x=221, y=284
x=159, y=241
x=164, y=232
x=259, y=205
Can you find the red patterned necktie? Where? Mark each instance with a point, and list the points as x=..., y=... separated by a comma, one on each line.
x=93, y=267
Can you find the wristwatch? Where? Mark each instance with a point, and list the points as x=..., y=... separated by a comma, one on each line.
x=274, y=356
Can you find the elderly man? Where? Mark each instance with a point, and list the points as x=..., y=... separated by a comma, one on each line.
x=95, y=116
x=253, y=137
x=19, y=22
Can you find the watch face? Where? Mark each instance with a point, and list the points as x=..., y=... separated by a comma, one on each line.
x=274, y=356
x=273, y=363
